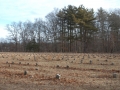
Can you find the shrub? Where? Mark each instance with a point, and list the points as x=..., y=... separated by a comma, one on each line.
x=58, y=76
x=114, y=75
x=25, y=72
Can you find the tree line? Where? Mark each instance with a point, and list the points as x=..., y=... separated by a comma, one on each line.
x=70, y=29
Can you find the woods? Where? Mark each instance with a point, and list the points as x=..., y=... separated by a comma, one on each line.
x=70, y=29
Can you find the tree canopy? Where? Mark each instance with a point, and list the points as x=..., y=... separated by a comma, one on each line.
x=69, y=29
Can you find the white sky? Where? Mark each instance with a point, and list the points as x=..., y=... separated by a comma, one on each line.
x=22, y=10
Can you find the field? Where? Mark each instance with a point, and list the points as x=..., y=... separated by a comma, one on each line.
x=79, y=71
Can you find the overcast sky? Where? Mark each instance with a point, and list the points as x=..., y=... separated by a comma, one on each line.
x=22, y=10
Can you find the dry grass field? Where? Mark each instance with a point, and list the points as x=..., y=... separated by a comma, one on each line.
x=78, y=71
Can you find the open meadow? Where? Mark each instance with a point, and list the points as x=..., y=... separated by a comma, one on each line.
x=78, y=71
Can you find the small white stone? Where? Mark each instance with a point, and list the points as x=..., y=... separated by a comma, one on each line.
x=58, y=76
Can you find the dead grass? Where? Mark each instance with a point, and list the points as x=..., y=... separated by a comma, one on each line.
x=74, y=74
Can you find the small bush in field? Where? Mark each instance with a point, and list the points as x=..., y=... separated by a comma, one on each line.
x=36, y=64
x=7, y=62
x=106, y=60
x=58, y=76
x=57, y=66
x=81, y=61
x=9, y=65
x=112, y=63
x=71, y=61
x=25, y=72
x=19, y=62
x=12, y=62
x=90, y=62
x=114, y=75
x=36, y=68
x=67, y=66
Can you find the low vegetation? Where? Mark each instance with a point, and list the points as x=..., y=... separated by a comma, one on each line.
x=88, y=71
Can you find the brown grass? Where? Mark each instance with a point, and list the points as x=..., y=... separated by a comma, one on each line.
x=74, y=74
